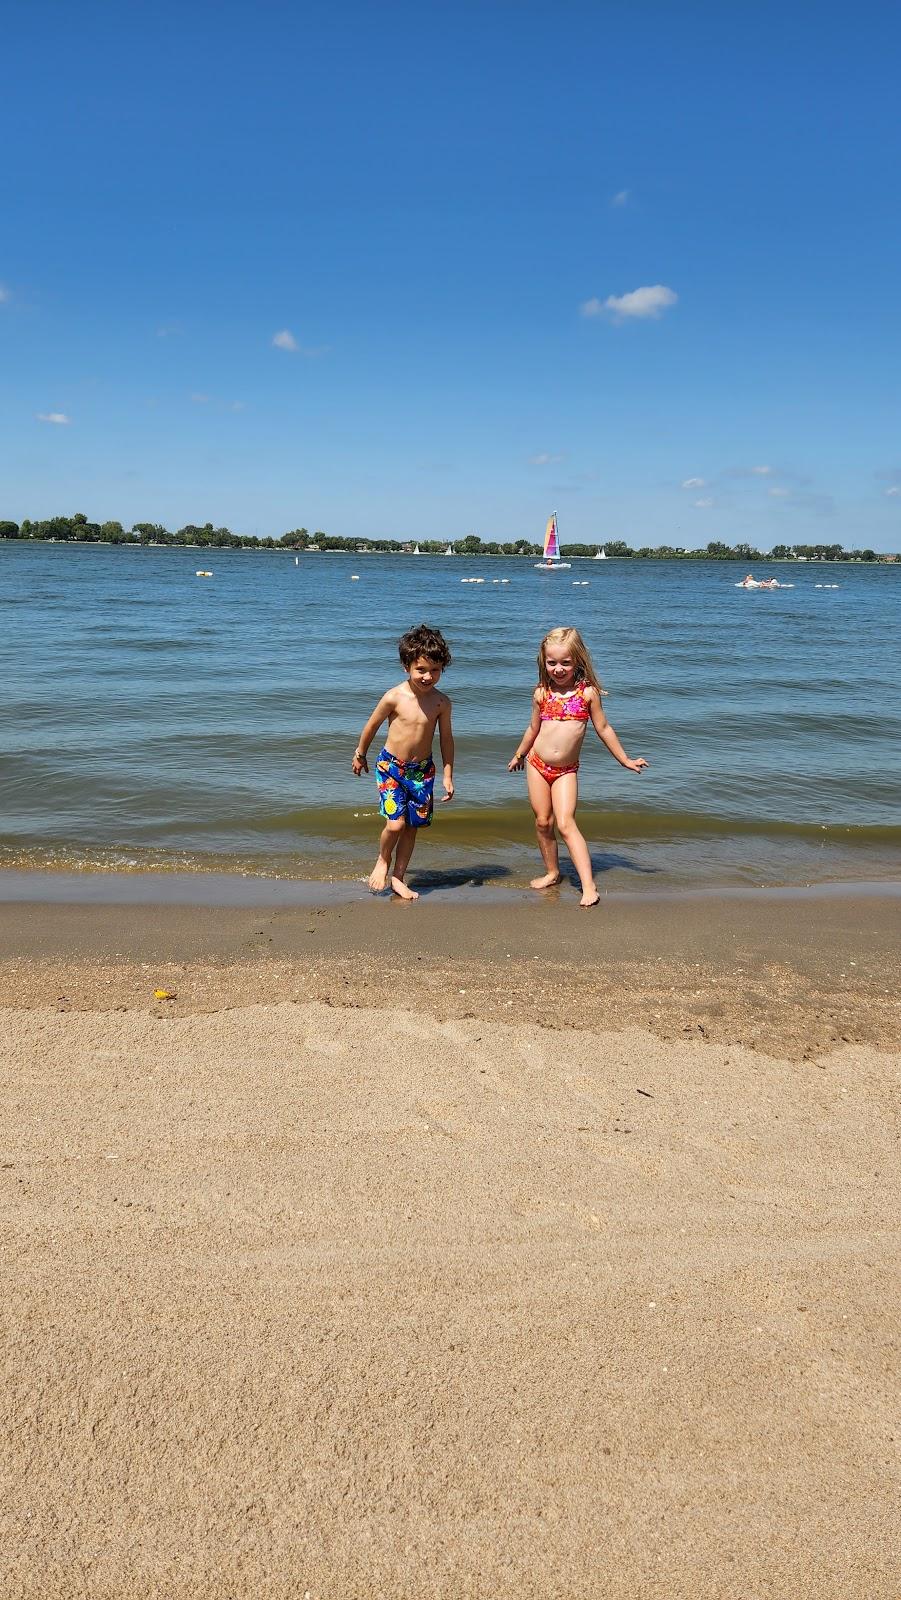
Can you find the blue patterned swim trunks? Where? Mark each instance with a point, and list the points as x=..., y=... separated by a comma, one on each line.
x=405, y=789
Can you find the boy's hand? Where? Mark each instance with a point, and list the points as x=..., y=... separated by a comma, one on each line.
x=359, y=764
x=636, y=765
x=517, y=764
x=448, y=790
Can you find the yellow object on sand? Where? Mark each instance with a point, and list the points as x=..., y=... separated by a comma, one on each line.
x=164, y=994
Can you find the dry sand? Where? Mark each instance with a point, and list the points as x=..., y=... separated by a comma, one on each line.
x=329, y=1278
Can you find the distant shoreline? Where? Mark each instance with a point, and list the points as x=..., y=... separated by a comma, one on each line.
x=880, y=558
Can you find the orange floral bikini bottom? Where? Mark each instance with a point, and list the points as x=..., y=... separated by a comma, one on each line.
x=548, y=772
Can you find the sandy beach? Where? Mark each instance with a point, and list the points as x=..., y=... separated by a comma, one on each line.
x=418, y=1252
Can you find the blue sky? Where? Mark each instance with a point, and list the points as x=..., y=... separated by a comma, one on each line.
x=447, y=212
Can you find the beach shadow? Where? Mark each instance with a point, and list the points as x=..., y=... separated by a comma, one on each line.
x=457, y=877
x=609, y=860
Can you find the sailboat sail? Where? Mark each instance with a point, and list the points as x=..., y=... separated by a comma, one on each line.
x=550, y=561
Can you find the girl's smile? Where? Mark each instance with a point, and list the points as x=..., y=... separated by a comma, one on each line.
x=561, y=669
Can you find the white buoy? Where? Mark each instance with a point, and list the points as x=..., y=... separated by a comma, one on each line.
x=355, y=577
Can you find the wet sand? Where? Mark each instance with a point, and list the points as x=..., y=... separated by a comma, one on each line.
x=418, y=1252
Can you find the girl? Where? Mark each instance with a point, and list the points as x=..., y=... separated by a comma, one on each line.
x=567, y=697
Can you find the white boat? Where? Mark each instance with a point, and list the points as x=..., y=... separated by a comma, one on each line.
x=448, y=551
x=551, y=560
x=601, y=555
x=416, y=550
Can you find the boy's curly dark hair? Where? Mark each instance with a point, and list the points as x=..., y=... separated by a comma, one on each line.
x=423, y=641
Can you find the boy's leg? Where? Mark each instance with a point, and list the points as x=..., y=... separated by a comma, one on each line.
x=540, y=801
x=405, y=847
x=565, y=796
x=381, y=872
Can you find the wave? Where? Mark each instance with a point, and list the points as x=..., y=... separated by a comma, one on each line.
x=491, y=824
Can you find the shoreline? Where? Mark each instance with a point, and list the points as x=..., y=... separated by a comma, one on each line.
x=209, y=886
x=796, y=975
x=881, y=557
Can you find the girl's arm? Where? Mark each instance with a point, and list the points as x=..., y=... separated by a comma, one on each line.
x=359, y=763
x=530, y=735
x=446, y=744
x=606, y=734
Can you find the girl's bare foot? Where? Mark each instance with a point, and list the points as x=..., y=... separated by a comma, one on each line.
x=378, y=877
x=590, y=897
x=547, y=882
x=399, y=888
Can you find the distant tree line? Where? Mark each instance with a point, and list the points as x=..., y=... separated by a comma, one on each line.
x=79, y=530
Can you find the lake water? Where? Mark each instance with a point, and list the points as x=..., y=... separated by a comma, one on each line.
x=153, y=720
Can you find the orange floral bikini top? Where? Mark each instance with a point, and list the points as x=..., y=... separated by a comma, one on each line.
x=569, y=707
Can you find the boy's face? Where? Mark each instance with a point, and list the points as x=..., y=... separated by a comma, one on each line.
x=423, y=673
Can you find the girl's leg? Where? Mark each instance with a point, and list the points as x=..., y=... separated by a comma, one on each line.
x=564, y=798
x=405, y=847
x=378, y=877
x=540, y=801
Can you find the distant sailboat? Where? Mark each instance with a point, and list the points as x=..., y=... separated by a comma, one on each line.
x=416, y=550
x=449, y=551
x=601, y=555
x=551, y=561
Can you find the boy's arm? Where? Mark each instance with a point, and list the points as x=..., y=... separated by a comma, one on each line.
x=606, y=734
x=446, y=743
x=530, y=735
x=359, y=763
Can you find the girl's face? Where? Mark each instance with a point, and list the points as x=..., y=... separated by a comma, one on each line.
x=561, y=668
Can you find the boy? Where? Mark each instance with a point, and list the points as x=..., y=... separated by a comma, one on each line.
x=405, y=771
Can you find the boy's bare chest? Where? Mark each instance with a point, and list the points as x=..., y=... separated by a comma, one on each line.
x=417, y=714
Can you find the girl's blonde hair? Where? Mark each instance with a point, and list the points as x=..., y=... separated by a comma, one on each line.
x=569, y=639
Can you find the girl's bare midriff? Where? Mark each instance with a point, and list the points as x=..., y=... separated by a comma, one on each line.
x=559, y=743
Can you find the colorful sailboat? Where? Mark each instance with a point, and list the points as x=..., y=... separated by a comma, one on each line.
x=551, y=561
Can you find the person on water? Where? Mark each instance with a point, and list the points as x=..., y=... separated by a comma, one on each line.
x=566, y=699
x=405, y=773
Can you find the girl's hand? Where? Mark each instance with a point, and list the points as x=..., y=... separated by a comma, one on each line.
x=517, y=764
x=359, y=764
x=636, y=765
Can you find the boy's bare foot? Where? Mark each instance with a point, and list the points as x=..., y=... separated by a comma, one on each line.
x=590, y=897
x=378, y=877
x=399, y=888
x=547, y=882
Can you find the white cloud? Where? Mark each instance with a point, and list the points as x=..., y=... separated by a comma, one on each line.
x=761, y=472
x=621, y=198
x=694, y=483
x=650, y=301
x=705, y=504
x=544, y=459
x=285, y=340
x=779, y=494
x=200, y=399
x=59, y=417
x=237, y=405
x=895, y=489
x=4, y=294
